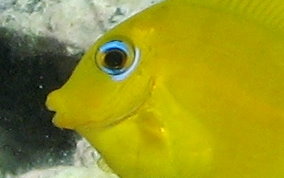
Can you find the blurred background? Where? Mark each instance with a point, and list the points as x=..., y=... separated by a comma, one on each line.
x=41, y=41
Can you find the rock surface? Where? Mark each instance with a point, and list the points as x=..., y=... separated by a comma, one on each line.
x=41, y=42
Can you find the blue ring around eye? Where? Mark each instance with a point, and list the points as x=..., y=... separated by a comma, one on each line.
x=131, y=63
x=114, y=45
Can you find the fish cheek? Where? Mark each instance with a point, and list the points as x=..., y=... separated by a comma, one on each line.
x=114, y=101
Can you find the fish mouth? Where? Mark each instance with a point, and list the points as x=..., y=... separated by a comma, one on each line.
x=59, y=122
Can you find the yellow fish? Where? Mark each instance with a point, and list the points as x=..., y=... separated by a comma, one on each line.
x=186, y=88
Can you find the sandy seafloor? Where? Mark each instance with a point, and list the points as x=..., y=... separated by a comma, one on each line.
x=41, y=42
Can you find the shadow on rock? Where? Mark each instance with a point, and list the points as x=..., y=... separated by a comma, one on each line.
x=31, y=67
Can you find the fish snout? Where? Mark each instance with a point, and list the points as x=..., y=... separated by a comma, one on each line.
x=56, y=103
x=52, y=101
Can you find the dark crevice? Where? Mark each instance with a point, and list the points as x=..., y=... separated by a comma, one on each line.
x=30, y=68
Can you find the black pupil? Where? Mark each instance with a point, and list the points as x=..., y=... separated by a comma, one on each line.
x=115, y=59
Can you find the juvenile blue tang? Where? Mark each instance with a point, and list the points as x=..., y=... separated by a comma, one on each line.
x=186, y=88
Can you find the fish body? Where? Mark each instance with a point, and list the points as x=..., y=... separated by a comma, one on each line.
x=203, y=94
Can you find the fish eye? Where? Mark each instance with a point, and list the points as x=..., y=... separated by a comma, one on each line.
x=115, y=57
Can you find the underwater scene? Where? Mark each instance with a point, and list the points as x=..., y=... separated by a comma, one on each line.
x=41, y=41
x=141, y=88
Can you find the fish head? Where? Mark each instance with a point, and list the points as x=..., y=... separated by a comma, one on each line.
x=117, y=98
x=112, y=80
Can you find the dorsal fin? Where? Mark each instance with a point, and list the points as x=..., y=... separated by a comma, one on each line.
x=267, y=12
